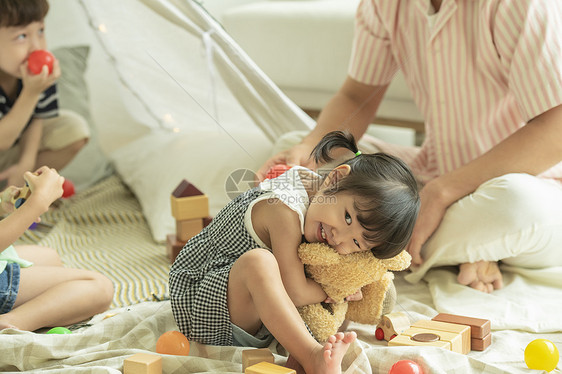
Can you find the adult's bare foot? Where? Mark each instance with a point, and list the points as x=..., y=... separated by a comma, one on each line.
x=484, y=276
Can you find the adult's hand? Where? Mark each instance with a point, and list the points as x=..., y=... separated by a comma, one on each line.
x=433, y=206
x=297, y=155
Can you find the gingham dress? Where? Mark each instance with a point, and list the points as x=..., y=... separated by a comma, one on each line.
x=199, y=275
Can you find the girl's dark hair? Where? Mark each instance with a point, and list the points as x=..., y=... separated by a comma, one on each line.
x=388, y=199
x=22, y=12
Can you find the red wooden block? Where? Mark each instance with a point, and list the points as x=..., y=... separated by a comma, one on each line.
x=479, y=327
x=185, y=189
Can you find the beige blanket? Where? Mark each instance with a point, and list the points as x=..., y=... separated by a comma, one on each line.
x=103, y=229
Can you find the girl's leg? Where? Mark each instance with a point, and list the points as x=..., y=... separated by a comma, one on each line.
x=256, y=295
x=51, y=295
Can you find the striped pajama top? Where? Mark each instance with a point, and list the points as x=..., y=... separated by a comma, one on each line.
x=478, y=70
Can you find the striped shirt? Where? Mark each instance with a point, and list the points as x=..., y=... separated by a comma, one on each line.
x=47, y=105
x=478, y=70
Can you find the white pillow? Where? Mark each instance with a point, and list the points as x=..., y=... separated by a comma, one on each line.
x=154, y=165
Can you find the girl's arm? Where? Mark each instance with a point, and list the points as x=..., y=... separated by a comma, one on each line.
x=46, y=187
x=281, y=227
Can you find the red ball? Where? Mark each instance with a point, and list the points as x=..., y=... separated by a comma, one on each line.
x=37, y=59
x=277, y=170
x=67, y=188
x=405, y=367
x=173, y=343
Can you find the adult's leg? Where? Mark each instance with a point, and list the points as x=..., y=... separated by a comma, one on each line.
x=514, y=218
x=256, y=295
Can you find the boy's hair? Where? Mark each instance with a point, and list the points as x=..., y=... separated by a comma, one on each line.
x=22, y=12
x=387, y=194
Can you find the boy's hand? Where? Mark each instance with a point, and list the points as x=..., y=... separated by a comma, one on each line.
x=35, y=84
x=13, y=175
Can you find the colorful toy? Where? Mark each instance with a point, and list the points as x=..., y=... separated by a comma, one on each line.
x=341, y=276
x=23, y=195
x=37, y=59
x=67, y=188
x=449, y=336
x=143, y=363
x=391, y=325
x=268, y=368
x=541, y=354
x=173, y=343
x=480, y=335
x=406, y=367
x=255, y=356
x=276, y=170
x=190, y=208
x=59, y=330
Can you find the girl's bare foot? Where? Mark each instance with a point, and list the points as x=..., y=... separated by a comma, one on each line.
x=484, y=276
x=328, y=360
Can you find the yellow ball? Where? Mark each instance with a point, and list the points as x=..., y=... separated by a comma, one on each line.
x=541, y=354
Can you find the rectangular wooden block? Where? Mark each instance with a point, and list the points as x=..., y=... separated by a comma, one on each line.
x=268, y=368
x=188, y=228
x=255, y=356
x=143, y=363
x=173, y=247
x=463, y=330
x=481, y=344
x=479, y=327
x=184, y=208
x=445, y=336
x=404, y=340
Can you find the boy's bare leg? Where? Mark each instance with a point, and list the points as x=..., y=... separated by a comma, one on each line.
x=256, y=295
x=60, y=158
x=484, y=276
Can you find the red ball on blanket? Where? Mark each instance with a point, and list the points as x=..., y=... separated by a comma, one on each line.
x=67, y=188
x=173, y=343
x=276, y=170
x=405, y=367
x=39, y=58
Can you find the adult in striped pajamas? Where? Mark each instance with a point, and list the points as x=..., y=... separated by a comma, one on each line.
x=487, y=76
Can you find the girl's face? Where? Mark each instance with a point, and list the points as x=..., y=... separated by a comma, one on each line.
x=16, y=43
x=332, y=219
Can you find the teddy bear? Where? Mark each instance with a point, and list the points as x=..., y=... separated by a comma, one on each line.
x=341, y=276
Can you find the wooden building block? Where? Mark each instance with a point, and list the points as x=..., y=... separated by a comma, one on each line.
x=479, y=327
x=184, y=208
x=255, y=356
x=143, y=363
x=173, y=247
x=480, y=344
x=207, y=220
x=404, y=340
x=187, y=229
x=268, y=368
x=23, y=195
x=185, y=189
x=448, y=327
x=453, y=338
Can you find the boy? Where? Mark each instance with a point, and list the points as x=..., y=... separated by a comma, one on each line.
x=32, y=130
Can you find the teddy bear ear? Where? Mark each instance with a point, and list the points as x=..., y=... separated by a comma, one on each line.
x=317, y=254
x=399, y=262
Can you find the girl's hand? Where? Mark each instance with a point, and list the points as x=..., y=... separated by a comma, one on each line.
x=355, y=297
x=45, y=185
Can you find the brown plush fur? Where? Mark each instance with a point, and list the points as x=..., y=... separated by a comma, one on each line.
x=341, y=276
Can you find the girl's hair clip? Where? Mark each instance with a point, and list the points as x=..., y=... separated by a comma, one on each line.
x=357, y=153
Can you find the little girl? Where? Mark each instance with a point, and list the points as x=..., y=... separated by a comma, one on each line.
x=239, y=281
x=35, y=289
